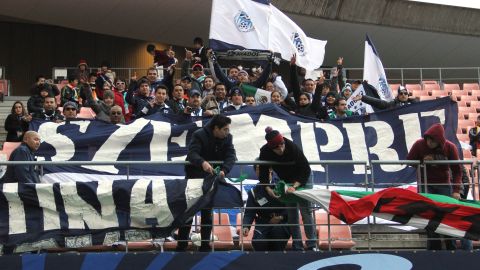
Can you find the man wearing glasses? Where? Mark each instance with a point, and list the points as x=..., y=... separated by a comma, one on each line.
x=116, y=116
x=280, y=149
x=401, y=100
x=70, y=110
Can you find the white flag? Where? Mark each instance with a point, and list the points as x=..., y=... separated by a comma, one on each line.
x=358, y=107
x=258, y=25
x=374, y=73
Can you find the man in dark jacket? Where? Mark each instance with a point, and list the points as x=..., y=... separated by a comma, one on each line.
x=474, y=136
x=434, y=146
x=49, y=112
x=25, y=152
x=210, y=143
x=401, y=100
x=280, y=149
x=138, y=95
x=268, y=213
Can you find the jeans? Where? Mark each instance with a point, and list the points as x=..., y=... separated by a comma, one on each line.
x=437, y=243
x=308, y=221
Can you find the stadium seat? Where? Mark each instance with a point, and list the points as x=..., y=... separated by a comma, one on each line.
x=464, y=123
x=394, y=87
x=86, y=113
x=431, y=87
x=221, y=229
x=429, y=82
x=475, y=104
x=451, y=86
x=463, y=137
x=246, y=240
x=419, y=93
x=464, y=111
x=466, y=154
x=458, y=94
x=8, y=147
x=469, y=99
x=340, y=233
x=476, y=93
x=423, y=98
x=473, y=115
x=439, y=93
x=462, y=103
x=412, y=87
x=471, y=86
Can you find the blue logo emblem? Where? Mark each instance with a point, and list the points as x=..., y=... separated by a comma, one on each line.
x=384, y=87
x=243, y=22
x=297, y=41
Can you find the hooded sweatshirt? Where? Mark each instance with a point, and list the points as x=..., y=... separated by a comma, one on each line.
x=446, y=150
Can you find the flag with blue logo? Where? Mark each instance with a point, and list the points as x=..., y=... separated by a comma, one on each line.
x=374, y=73
x=258, y=25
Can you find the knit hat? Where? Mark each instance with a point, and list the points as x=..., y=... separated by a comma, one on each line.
x=273, y=137
x=243, y=71
x=70, y=104
x=82, y=62
x=197, y=65
x=347, y=86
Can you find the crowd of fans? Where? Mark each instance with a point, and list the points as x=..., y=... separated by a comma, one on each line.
x=205, y=90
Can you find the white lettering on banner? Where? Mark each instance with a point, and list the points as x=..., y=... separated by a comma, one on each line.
x=309, y=145
x=438, y=113
x=334, y=138
x=358, y=145
x=116, y=143
x=80, y=212
x=411, y=128
x=159, y=142
x=46, y=200
x=182, y=142
x=16, y=212
x=382, y=149
x=193, y=191
x=246, y=133
x=158, y=209
x=64, y=146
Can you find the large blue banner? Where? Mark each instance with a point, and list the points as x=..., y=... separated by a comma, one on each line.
x=385, y=135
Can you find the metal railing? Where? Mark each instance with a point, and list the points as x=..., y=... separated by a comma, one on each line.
x=368, y=184
x=394, y=75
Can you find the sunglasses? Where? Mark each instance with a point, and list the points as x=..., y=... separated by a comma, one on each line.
x=120, y=83
x=70, y=109
x=116, y=113
x=403, y=93
x=197, y=69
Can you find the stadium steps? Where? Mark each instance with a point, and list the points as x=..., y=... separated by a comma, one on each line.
x=5, y=109
x=383, y=237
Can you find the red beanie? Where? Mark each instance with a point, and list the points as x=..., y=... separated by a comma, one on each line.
x=273, y=137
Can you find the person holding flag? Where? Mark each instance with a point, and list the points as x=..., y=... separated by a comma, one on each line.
x=401, y=99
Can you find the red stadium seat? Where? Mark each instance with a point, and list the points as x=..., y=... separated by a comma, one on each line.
x=471, y=86
x=466, y=111
x=86, y=113
x=394, y=87
x=475, y=104
x=429, y=82
x=476, y=93
x=451, y=86
x=8, y=147
x=419, y=93
x=439, y=93
x=340, y=233
x=431, y=87
x=423, y=98
x=469, y=99
x=412, y=87
x=462, y=103
x=473, y=115
x=464, y=124
x=458, y=94
x=463, y=137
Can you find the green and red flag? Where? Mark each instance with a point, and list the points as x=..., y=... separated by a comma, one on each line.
x=438, y=213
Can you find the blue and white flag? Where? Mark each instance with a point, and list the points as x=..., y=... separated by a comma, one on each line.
x=258, y=25
x=374, y=73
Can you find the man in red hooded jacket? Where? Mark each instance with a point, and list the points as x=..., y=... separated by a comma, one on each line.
x=434, y=146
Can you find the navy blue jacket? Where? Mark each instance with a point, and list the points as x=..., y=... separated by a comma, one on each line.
x=21, y=173
x=261, y=208
x=205, y=147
